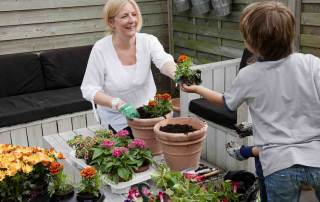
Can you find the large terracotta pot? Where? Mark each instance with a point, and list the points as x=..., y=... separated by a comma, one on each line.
x=143, y=129
x=181, y=150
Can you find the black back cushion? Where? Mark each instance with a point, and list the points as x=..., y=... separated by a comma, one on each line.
x=19, y=74
x=64, y=67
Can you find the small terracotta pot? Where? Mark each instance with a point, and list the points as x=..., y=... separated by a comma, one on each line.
x=182, y=151
x=89, y=198
x=142, y=168
x=143, y=129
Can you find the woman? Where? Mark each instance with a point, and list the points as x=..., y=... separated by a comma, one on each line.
x=118, y=77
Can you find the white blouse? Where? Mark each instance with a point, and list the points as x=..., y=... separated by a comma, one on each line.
x=134, y=85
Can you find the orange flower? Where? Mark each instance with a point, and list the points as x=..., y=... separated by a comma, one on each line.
x=55, y=168
x=152, y=103
x=182, y=58
x=158, y=96
x=60, y=155
x=88, y=172
x=166, y=96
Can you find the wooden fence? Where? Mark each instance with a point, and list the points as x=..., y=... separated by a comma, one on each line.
x=208, y=38
x=35, y=25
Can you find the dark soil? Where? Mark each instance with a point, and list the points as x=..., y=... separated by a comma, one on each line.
x=143, y=114
x=177, y=128
x=192, y=79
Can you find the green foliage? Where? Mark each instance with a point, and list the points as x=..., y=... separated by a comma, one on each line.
x=184, y=74
x=160, y=106
x=19, y=187
x=90, y=185
x=180, y=189
x=58, y=183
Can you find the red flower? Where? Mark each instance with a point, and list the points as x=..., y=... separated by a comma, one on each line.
x=152, y=103
x=88, y=172
x=166, y=96
x=55, y=168
x=182, y=58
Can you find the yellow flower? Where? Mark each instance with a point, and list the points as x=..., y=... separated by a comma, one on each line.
x=2, y=175
x=26, y=168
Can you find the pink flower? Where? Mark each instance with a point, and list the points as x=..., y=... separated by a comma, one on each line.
x=137, y=143
x=107, y=143
x=118, y=151
x=133, y=193
x=160, y=196
x=146, y=191
x=122, y=133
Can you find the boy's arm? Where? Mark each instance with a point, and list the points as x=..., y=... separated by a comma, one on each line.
x=212, y=96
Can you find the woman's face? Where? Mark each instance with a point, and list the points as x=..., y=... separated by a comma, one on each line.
x=125, y=22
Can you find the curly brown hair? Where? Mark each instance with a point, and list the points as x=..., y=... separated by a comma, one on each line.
x=268, y=29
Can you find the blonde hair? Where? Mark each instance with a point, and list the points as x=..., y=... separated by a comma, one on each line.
x=112, y=8
x=268, y=28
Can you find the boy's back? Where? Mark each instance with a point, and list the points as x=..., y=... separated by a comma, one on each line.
x=284, y=101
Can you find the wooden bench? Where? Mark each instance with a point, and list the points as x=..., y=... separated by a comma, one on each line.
x=30, y=134
x=219, y=76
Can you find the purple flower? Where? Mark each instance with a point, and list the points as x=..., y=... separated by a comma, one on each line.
x=137, y=143
x=107, y=143
x=118, y=151
x=122, y=133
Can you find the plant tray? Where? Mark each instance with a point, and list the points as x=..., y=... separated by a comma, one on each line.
x=121, y=187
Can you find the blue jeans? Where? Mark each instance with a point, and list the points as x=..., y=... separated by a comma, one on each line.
x=284, y=185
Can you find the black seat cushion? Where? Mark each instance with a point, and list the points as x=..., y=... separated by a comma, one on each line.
x=208, y=111
x=20, y=74
x=41, y=105
x=64, y=67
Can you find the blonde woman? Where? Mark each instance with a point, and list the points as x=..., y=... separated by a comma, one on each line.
x=118, y=77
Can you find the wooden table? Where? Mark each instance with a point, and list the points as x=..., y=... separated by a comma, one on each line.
x=59, y=143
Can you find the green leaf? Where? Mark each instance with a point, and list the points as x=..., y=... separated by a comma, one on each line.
x=123, y=173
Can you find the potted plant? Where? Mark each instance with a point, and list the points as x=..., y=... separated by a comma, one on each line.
x=59, y=188
x=82, y=146
x=156, y=110
x=89, y=186
x=141, y=155
x=221, y=7
x=179, y=188
x=200, y=7
x=24, y=172
x=184, y=74
x=181, y=140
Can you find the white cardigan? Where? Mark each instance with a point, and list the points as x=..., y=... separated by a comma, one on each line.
x=134, y=85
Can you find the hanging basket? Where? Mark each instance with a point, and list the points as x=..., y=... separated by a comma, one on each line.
x=200, y=7
x=221, y=7
x=181, y=5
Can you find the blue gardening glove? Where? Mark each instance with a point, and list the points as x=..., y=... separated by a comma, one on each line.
x=129, y=111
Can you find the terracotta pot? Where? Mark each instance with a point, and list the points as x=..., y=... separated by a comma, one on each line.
x=142, y=168
x=182, y=151
x=83, y=197
x=143, y=129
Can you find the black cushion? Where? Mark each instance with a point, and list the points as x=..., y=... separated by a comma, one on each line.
x=41, y=105
x=64, y=67
x=19, y=74
x=218, y=115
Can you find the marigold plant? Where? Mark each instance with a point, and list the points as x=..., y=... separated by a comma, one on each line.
x=22, y=167
x=90, y=181
x=184, y=74
x=159, y=106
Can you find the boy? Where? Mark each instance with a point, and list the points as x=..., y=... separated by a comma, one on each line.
x=282, y=90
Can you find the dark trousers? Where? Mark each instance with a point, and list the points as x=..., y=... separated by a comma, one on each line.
x=127, y=128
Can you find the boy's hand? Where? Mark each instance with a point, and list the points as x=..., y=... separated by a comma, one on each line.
x=189, y=89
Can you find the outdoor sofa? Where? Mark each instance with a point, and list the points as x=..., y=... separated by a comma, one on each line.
x=40, y=94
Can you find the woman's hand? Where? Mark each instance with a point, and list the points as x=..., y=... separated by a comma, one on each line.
x=129, y=111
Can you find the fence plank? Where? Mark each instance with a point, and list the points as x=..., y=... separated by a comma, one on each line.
x=79, y=122
x=49, y=128
x=19, y=137
x=5, y=138
x=34, y=134
x=64, y=125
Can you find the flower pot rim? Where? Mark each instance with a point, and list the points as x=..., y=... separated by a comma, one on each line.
x=180, y=137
